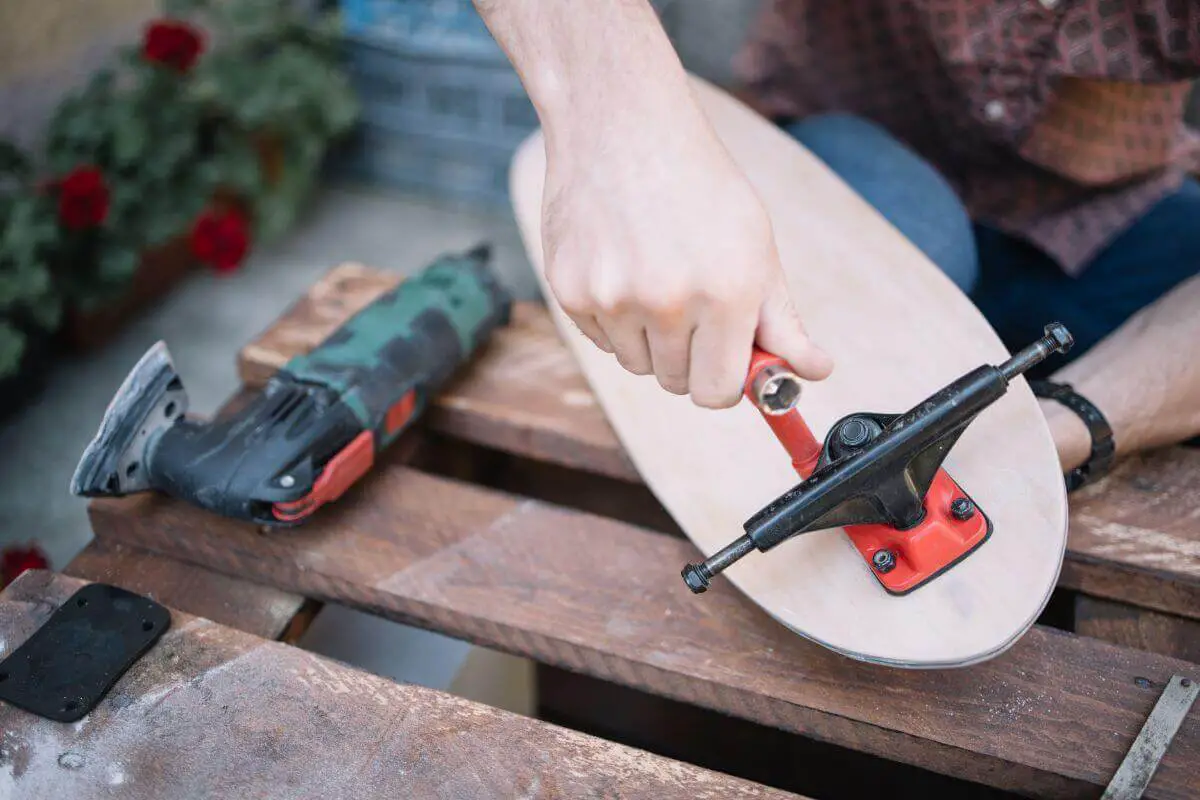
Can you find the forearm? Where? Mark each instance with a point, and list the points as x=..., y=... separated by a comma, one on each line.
x=591, y=66
x=1144, y=378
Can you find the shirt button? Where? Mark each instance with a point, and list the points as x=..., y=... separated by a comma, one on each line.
x=994, y=110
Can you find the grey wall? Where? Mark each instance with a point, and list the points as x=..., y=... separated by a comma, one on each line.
x=707, y=33
x=50, y=46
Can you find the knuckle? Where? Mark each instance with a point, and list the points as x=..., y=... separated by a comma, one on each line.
x=608, y=296
x=572, y=297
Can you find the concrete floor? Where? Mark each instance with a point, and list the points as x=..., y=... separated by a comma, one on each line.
x=204, y=322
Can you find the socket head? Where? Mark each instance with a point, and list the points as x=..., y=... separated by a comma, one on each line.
x=1061, y=336
x=776, y=390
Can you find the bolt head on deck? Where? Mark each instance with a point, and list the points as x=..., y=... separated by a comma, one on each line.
x=695, y=578
x=962, y=509
x=884, y=560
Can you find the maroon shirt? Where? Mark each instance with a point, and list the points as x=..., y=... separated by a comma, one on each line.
x=1059, y=121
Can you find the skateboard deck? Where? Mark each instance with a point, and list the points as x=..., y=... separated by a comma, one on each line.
x=908, y=332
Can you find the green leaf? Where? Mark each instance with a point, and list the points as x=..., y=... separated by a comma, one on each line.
x=46, y=311
x=130, y=139
x=117, y=264
x=12, y=348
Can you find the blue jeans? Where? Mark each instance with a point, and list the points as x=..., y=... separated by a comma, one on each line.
x=1016, y=287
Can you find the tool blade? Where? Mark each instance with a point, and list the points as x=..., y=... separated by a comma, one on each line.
x=150, y=399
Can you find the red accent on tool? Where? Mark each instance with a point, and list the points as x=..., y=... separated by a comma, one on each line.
x=922, y=552
x=400, y=412
x=354, y=460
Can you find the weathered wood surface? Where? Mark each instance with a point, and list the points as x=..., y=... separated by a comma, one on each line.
x=1129, y=626
x=1052, y=717
x=214, y=712
x=1134, y=537
x=264, y=611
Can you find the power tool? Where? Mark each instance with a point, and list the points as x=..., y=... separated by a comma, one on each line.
x=878, y=476
x=321, y=420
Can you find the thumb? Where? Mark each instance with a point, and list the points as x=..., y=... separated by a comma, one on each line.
x=781, y=333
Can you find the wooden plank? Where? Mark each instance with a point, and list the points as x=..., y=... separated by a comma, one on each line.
x=1133, y=537
x=519, y=395
x=214, y=712
x=254, y=608
x=1135, y=627
x=1052, y=717
x=735, y=746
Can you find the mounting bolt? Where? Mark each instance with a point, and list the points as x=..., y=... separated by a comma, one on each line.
x=962, y=509
x=884, y=560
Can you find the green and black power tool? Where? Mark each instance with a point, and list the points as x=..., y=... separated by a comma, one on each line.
x=319, y=423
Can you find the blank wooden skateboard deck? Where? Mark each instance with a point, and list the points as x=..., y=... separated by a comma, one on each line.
x=909, y=332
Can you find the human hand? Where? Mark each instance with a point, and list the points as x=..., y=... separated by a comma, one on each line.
x=659, y=249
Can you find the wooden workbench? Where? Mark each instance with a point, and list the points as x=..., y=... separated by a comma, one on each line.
x=215, y=712
x=514, y=520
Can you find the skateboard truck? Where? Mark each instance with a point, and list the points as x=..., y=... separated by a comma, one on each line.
x=878, y=476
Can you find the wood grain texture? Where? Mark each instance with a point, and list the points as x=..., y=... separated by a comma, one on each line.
x=1135, y=536
x=214, y=712
x=1155, y=495
x=1052, y=717
x=1129, y=626
x=260, y=610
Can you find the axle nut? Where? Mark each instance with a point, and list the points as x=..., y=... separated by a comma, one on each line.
x=884, y=560
x=695, y=578
x=962, y=509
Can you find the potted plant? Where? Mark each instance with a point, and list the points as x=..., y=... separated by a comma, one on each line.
x=203, y=138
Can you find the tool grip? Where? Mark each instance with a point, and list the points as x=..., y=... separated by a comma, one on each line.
x=388, y=359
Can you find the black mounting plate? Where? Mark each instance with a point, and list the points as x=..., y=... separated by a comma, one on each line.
x=68, y=665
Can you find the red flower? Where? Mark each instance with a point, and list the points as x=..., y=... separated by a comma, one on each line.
x=16, y=560
x=221, y=239
x=172, y=44
x=82, y=198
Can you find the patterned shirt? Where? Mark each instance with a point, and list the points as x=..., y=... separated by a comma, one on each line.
x=1057, y=121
